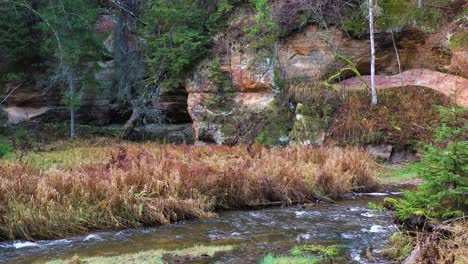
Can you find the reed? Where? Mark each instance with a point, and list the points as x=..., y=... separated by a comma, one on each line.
x=145, y=185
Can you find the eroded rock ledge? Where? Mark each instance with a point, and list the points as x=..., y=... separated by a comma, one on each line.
x=455, y=87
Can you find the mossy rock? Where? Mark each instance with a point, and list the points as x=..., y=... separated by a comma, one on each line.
x=310, y=125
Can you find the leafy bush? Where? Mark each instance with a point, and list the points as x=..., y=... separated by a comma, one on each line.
x=444, y=170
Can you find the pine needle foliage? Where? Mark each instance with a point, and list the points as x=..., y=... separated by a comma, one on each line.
x=444, y=170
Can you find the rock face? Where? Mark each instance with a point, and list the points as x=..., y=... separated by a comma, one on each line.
x=452, y=86
x=236, y=110
x=248, y=87
x=310, y=55
x=42, y=101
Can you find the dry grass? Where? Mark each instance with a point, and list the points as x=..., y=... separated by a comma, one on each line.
x=143, y=185
x=448, y=245
x=402, y=117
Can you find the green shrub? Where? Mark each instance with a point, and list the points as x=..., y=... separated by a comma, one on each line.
x=444, y=170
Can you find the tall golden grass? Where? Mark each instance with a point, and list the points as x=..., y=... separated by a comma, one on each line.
x=143, y=185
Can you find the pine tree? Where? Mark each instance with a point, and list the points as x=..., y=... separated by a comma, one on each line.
x=444, y=169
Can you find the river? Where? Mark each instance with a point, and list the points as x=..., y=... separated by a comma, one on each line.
x=349, y=223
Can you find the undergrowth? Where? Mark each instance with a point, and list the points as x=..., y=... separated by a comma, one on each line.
x=403, y=117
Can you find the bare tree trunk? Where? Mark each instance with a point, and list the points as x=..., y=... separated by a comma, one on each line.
x=397, y=57
x=71, y=85
x=372, y=43
x=420, y=4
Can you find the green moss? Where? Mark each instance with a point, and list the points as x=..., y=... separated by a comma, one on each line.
x=272, y=259
x=148, y=257
x=312, y=120
x=5, y=148
x=219, y=102
x=398, y=174
x=400, y=246
x=278, y=123
x=228, y=128
x=324, y=251
x=459, y=40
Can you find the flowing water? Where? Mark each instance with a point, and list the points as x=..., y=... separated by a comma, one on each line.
x=350, y=224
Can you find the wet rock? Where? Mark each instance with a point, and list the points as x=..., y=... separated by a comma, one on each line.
x=380, y=151
x=17, y=115
x=176, y=134
x=403, y=157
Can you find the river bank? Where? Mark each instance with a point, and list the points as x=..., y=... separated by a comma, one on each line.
x=254, y=234
x=140, y=185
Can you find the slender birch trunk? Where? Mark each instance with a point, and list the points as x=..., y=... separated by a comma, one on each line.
x=420, y=3
x=372, y=43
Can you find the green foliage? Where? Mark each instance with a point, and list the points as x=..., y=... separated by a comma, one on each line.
x=395, y=13
x=320, y=250
x=18, y=50
x=75, y=100
x=399, y=13
x=72, y=23
x=302, y=254
x=264, y=19
x=218, y=77
x=177, y=35
x=264, y=33
x=16, y=40
x=459, y=40
x=400, y=247
x=355, y=21
x=150, y=256
x=444, y=170
x=218, y=18
x=272, y=259
x=398, y=174
x=277, y=124
x=5, y=148
x=265, y=138
x=350, y=67
x=376, y=207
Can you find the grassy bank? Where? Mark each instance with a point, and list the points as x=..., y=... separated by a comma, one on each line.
x=151, y=256
x=144, y=185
